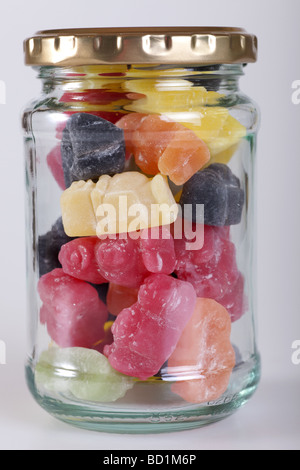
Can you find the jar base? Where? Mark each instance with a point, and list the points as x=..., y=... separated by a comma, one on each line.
x=124, y=421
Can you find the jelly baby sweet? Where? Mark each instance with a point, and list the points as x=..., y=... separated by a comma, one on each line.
x=129, y=123
x=126, y=202
x=119, y=261
x=209, y=250
x=130, y=201
x=220, y=191
x=71, y=310
x=230, y=135
x=195, y=105
x=90, y=375
x=78, y=259
x=158, y=250
x=127, y=261
x=235, y=299
x=160, y=145
x=99, y=96
x=213, y=270
x=78, y=215
x=146, y=334
x=49, y=245
x=185, y=155
x=95, y=96
x=150, y=139
x=160, y=96
x=218, y=129
x=91, y=146
x=205, y=351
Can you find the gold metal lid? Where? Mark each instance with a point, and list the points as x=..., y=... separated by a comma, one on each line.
x=158, y=45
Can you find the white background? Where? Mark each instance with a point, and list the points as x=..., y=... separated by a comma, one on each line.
x=272, y=418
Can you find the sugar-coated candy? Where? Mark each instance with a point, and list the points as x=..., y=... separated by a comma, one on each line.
x=91, y=146
x=219, y=190
x=71, y=310
x=84, y=373
x=184, y=156
x=215, y=277
x=129, y=123
x=230, y=135
x=221, y=132
x=119, y=261
x=120, y=297
x=203, y=352
x=213, y=270
x=130, y=201
x=157, y=248
x=150, y=139
x=208, y=248
x=54, y=162
x=224, y=156
x=77, y=210
x=196, y=107
x=207, y=123
x=146, y=334
x=161, y=145
x=77, y=258
x=235, y=300
x=110, y=116
x=96, y=96
x=162, y=95
x=123, y=203
x=49, y=245
x=127, y=261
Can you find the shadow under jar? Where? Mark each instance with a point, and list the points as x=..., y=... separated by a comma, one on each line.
x=140, y=178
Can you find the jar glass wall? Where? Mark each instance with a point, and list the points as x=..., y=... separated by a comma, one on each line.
x=141, y=220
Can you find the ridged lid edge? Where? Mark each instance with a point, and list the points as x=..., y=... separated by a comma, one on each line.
x=159, y=45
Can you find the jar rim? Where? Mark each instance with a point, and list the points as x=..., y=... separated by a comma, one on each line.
x=144, y=45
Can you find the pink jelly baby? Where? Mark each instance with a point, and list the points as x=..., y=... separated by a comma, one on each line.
x=128, y=261
x=71, y=310
x=77, y=258
x=213, y=270
x=146, y=334
x=158, y=251
x=119, y=261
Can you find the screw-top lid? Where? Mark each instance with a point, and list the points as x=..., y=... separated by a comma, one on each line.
x=158, y=45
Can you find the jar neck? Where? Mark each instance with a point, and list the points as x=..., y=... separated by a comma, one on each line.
x=222, y=78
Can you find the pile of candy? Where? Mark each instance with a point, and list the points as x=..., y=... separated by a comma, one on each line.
x=123, y=298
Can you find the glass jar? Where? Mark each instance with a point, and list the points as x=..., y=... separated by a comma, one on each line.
x=140, y=156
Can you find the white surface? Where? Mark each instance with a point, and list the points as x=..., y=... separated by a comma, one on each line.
x=272, y=418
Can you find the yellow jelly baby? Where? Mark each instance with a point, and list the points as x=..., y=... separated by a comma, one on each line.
x=125, y=202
